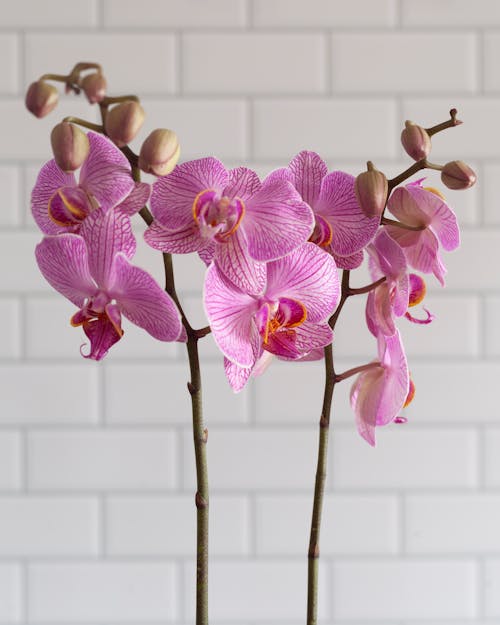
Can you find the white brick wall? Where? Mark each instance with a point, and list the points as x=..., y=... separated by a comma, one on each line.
x=96, y=462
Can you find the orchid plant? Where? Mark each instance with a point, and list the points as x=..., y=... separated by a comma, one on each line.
x=278, y=253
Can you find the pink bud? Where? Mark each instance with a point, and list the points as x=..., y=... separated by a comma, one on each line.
x=458, y=175
x=70, y=146
x=159, y=152
x=124, y=121
x=371, y=189
x=416, y=141
x=41, y=98
x=94, y=87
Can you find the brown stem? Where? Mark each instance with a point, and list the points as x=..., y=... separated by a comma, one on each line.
x=84, y=123
x=450, y=123
x=117, y=99
x=350, y=372
x=366, y=289
x=343, y=298
x=413, y=169
x=399, y=224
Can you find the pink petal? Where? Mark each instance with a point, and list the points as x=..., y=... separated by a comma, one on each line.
x=107, y=233
x=353, y=261
x=234, y=261
x=396, y=379
x=379, y=313
x=102, y=336
x=283, y=174
x=276, y=221
x=136, y=199
x=365, y=398
x=173, y=195
x=230, y=314
x=144, y=302
x=295, y=343
x=242, y=183
x=207, y=253
x=106, y=174
x=50, y=178
x=236, y=376
x=182, y=241
x=309, y=275
x=403, y=204
x=309, y=169
x=352, y=230
x=63, y=260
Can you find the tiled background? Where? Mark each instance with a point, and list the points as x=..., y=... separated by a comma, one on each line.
x=96, y=462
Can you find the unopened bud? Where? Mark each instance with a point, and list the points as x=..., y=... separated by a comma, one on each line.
x=124, y=121
x=70, y=146
x=371, y=189
x=159, y=152
x=458, y=175
x=416, y=141
x=41, y=98
x=94, y=87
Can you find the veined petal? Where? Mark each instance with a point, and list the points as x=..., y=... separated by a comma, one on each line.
x=242, y=183
x=136, y=199
x=50, y=178
x=379, y=314
x=63, y=260
x=403, y=204
x=234, y=261
x=173, y=195
x=180, y=241
x=295, y=343
x=352, y=230
x=230, y=313
x=102, y=336
x=365, y=398
x=144, y=302
x=236, y=376
x=283, y=174
x=309, y=275
x=396, y=380
x=309, y=169
x=107, y=233
x=106, y=174
x=353, y=261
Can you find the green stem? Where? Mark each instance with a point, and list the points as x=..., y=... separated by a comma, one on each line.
x=84, y=123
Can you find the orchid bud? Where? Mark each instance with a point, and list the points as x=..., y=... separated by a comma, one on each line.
x=41, y=98
x=371, y=189
x=70, y=146
x=458, y=175
x=416, y=141
x=94, y=87
x=124, y=121
x=159, y=152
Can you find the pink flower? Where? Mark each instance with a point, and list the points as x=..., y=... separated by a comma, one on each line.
x=60, y=204
x=228, y=216
x=341, y=227
x=419, y=207
x=93, y=271
x=289, y=318
x=379, y=393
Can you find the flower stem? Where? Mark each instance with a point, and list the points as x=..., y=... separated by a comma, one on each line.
x=350, y=372
x=84, y=123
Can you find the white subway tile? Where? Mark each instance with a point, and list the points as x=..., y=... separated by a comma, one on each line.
x=338, y=128
x=174, y=14
x=122, y=56
x=283, y=525
x=324, y=13
x=492, y=588
x=10, y=328
x=408, y=62
x=491, y=458
x=51, y=13
x=465, y=524
x=49, y=394
x=257, y=589
x=46, y=526
x=11, y=460
x=18, y=249
x=492, y=329
x=102, y=460
x=410, y=589
x=147, y=526
x=11, y=595
x=491, y=52
x=9, y=45
x=11, y=202
x=257, y=63
x=405, y=458
x=451, y=13
x=103, y=592
x=489, y=185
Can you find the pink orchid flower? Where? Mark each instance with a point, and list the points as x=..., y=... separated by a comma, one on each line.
x=289, y=318
x=379, y=393
x=93, y=271
x=60, y=204
x=417, y=206
x=228, y=216
x=341, y=227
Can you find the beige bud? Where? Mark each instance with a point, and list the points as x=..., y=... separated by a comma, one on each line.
x=41, y=98
x=371, y=189
x=124, y=121
x=416, y=141
x=70, y=146
x=160, y=152
x=458, y=175
x=94, y=86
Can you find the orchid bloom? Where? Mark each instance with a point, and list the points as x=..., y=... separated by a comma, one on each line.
x=418, y=290
x=289, y=318
x=228, y=216
x=423, y=208
x=380, y=392
x=60, y=204
x=341, y=227
x=93, y=271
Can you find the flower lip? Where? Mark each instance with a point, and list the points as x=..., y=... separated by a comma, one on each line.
x=323, y=232
x=68, y=206
x=217, y=217
x=287, y=313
